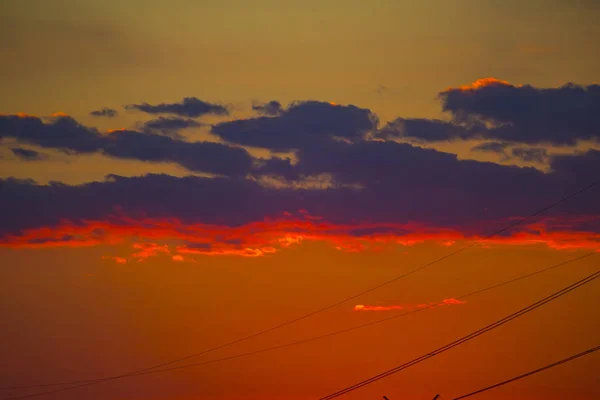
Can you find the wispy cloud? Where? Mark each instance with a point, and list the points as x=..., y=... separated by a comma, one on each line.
x=451, y=301
x=189, y=107
x=104, y=112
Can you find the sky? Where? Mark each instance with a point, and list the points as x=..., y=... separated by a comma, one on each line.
x=177, y=176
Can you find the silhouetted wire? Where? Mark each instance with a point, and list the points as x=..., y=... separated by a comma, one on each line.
x=468, y=337
x=339, y=302
x=314, y=338
x=535, y=371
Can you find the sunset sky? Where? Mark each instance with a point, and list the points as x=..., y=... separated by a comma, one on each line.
x=175, y=176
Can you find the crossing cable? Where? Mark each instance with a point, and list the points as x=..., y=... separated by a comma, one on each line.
x=535, y=371
x=468, y=337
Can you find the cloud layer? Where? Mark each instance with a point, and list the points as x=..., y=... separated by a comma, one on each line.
x=349, y=182
x=64, y=133
x=523, y=113
x=27, y=154
x=302, y=124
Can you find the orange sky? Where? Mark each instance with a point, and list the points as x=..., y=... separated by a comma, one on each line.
x=74, y=315
x=102, y=275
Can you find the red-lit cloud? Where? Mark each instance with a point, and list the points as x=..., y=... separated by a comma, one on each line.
x=452, y=301
x=173, y=238
x=118, y=260
x=145, y=250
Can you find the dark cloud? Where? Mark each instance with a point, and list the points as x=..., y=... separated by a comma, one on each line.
x=271, y=108
x=67, y=134
x=302, y=124
x=190, y=199
x=527, y=114
x=578, y=168
x=104, y=112
x=209, y=157
x=27, y=155
x=491, y=147
x=399, y=169
x=190, y=107
x=402, y=184
x=532, y=154
x=169, y=126
x=427, y=130
x=61, y=132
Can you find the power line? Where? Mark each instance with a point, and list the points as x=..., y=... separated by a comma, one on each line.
x=352, y=297
x=314, y=338
x=516, y=378
x=468, y=337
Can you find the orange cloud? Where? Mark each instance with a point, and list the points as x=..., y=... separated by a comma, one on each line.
x=362, y=307
x=23, y=115
x=481, y=83
x=227, y=250
x=118, y=260
x=59, y=114
x=453, y=301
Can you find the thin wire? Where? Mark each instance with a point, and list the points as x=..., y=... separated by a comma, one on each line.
x=516, y=378
x=314, y=338
x=453, y=344
x=529, y=275
x=468, y=337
